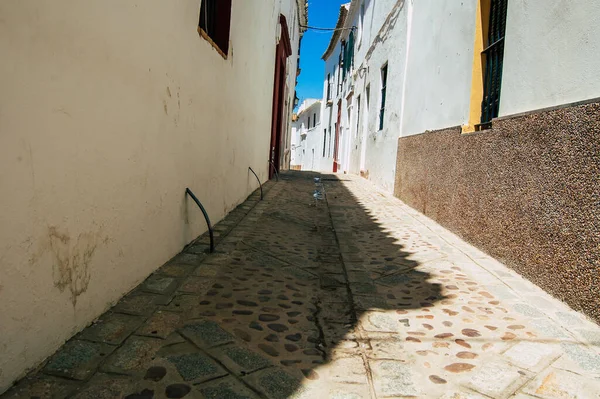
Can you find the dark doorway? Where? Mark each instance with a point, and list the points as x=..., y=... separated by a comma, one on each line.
x=336, y=148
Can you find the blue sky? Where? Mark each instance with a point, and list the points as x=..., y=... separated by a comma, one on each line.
x=323, y=14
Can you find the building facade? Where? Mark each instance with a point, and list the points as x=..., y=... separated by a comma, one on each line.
x=479, y=114
x=306, y=142
x=108, y=111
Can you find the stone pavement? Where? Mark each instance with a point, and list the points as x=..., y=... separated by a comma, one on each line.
x=328, y=289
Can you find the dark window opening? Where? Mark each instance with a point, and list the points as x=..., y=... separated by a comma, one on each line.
x=342, y=60
x=328, y=87
x=214, y=23
x=324, y=140
x=315, y=119
x=493, y=59
x=357, y=115
x=349, y=54
x=384, y=71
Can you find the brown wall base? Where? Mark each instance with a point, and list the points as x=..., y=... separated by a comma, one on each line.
x=527, y=192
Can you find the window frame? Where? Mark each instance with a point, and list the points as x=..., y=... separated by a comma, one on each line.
x=221, y=24
x=383, y=95
x=358, y=99
x=361, y=19
x=493, y=61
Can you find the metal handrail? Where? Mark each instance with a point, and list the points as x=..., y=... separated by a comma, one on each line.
x=275, y=170
x=210, y=229
x=259, y=183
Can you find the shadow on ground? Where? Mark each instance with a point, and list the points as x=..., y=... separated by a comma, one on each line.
x=285, y=295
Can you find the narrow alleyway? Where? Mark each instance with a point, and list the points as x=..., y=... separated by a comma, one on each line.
x=329, y=289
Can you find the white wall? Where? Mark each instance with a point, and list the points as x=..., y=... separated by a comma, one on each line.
x=108, y=111
x=385, y=43
x=428, y=47
x=551, y=58
x=307, y=139
x=440, y=64
x=551, y=55
x=329, y=112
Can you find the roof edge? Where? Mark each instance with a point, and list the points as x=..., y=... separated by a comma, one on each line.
x=311, y=106
x=302, y=14
x=336, y=34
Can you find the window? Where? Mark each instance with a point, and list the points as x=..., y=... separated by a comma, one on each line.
x=349, y=54
x=384, y=71
x=344, y=63
x=357, y=115
x=331, y=151
x=328, y=86
x=329, y=134
x=214, y=23
x=342, y=60
x=338, y=77
x=361, y=24
x=324, y=140
x=493, y=58
x=308, y=123
x=315, y=119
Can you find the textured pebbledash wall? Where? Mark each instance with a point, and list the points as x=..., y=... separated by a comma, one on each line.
x=527, y=192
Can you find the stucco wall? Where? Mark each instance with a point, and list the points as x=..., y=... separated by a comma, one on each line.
x=307, y=140
x=439, y=65
x=387, y=45
x=526, y=192
x=552, y=54
x=108, y=111
x=428, y=47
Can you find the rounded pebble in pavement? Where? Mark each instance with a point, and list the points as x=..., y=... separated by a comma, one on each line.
x=269, y=350
x=277, y=327
x=459, y=367
x=310, y=374
x=155, y=373
x=437, y=380
x=268, y=317
x=177, y=391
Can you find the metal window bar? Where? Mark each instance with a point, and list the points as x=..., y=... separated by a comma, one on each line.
x=493, y=56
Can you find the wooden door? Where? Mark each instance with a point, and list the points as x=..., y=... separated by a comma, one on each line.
x=282, y=52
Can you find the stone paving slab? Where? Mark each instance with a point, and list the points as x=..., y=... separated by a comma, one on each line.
x=349, y=294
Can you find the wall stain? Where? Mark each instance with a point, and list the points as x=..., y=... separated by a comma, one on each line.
x=387, y=27
x=62, y=111
x=169, y=91
x=72, y=260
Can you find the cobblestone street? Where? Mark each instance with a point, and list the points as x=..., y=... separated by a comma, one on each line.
x=328, y=289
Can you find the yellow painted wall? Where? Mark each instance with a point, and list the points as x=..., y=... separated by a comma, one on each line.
x=481, y=28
